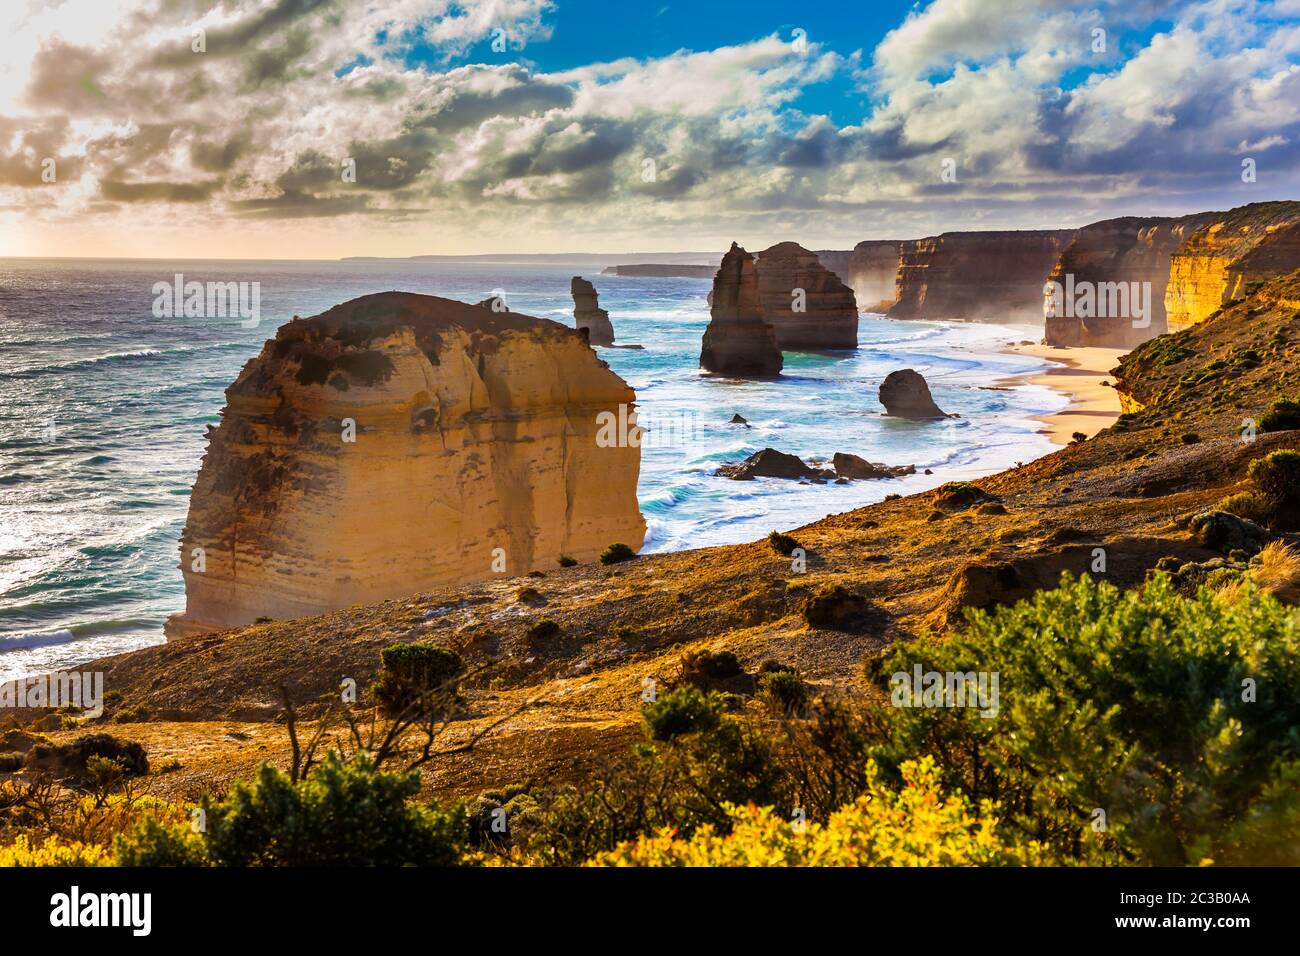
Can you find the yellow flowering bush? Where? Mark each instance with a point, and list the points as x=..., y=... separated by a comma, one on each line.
x=917, y=826
x=53, y=852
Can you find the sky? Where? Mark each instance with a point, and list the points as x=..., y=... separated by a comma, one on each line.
x=331, y=128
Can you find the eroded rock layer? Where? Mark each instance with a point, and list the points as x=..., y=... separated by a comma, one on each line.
x=738, y=341
x=806, y=304
x=1230, y=256
x=399, y=442
x=587, y=313
x=994, y=276
x=873, y=274
x=1109, y=282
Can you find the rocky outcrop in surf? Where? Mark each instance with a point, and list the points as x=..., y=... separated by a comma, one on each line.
x=989, y=276
x=738, y=340
x=588, y=315
x=400, y=442
x=906, y=394
x=806, y=304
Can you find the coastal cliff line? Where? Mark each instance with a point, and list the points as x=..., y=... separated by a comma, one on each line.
x=398, y=442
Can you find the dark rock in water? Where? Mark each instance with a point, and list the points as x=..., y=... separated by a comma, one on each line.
x=905, y=394
x=588, y=315
x=841, y=481
x=496, y=303
x=851, y=466
x=737, y=420
x=1225, y=532
x=928, y=471
x=738, y=340
x=770, y=463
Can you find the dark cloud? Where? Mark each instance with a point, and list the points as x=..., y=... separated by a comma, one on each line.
x=292, y=204
x=118, y=191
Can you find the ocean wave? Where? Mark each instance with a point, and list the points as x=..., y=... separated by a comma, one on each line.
x=17, y=642
x=113, y=357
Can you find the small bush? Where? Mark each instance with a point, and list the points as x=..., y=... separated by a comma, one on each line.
x=784, y=691
x=957, y=495
x=1277, y=475
x=685, y=710
x=414, y=673
x=616, y=553
x=705, y=669
x=528, y=595
x=1250, y=505
x=1190, y=438
x=1284, y=415
x=1078, y=438
x=782, y=543
x=542, y=630
x=834, y=607
x=11, y=762
x=567, y=562
x=154, y=842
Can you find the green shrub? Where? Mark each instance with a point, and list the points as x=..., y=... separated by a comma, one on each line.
x=542, y=630
x=416, y=675
x=685, y=710
x=1190, y=438
x=957, y=495
x=1277, y=475
x=1250, y=505
x=153, y=842
x=567, y=562
x=616, y=552
x=784, y=691
x=1139, y=712
x=343, y=813
x=1284, y=415
x=707, y=668
x=782, y=543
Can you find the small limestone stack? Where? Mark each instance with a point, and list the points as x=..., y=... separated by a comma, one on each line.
x=398, y=443
x=587, y=313
x=906, y=394
x=807, y=304
x=738, y=341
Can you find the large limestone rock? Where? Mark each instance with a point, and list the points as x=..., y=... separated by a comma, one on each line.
x=1228, y=255
x=1108, y=286
x=475, y=456
x=905, y=394
x=738, y=341
x=807, y=305
x=587, y=313
x=988, y=276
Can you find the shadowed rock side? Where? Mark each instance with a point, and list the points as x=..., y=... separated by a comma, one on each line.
x=1229, y=257
x=1104, y=261
x=474, y=431
x=806, y=304
x=873, y=274
x=738, y=341
x=587, y=313
x=993, y=276
x=905, y=394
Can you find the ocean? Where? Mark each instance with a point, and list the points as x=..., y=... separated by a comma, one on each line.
x=104, y=410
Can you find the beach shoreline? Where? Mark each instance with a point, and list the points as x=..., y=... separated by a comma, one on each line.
x=1080, y=375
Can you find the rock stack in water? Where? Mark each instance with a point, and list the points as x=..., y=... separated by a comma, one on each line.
x=906, y=394
x=806, y=304
x=738, y=341
x=397, y=443
x=587, y=313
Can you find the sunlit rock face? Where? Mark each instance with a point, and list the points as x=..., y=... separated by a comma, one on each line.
x=399, y=442
x=806, y=304
x=588, y=315
x=988, y=276
x=1108, y=286
x=738, y=341
x=873, y=274
x=1229, y=256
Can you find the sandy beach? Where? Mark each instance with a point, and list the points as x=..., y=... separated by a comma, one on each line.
x=1093, y=405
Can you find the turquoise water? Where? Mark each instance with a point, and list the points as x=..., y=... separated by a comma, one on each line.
x=104, y=408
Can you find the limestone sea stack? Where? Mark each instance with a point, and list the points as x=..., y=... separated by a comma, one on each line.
x=905, y=394
x=807, y=304
x=989, y=276
x=397, y=443
x=587, y=313
x=738, y=341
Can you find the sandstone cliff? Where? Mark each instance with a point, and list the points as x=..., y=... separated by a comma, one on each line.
x=806, y=304
x=1229, y=256
x=587, y=313
x=994, y=276
x=1132, y=251
x=738, y=341
x=474, y=455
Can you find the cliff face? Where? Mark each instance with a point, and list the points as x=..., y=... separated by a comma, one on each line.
x=475, y=455
x=1230, y=255
x=873, y=274
x=587, y=313
x=738, y=341
x=1132, y=251
x=806, y=304
x=995, y=276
